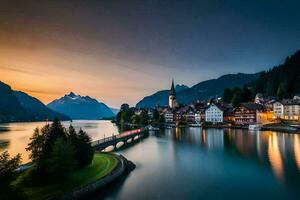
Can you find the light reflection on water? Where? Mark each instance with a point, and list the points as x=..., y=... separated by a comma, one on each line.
x=191, y=163
x=194, y=163
x=281, y=151
x=297, y=150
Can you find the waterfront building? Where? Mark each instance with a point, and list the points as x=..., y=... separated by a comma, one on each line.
x=264, y=117
x=246, y=113
x=214, y=113
x=186, y=113
x=169, y=117
x=189, y=115
x=228, y=114
x=288, y=109
x=198, y=117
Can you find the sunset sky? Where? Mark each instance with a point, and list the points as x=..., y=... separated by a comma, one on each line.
x=121, y=51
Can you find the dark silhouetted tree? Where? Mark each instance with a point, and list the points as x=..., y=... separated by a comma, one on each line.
x=61, y=160
x=36, y=146
x=84, y=149
x=55, y=132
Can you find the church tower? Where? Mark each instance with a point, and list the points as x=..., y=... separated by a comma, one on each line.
x=172, y=96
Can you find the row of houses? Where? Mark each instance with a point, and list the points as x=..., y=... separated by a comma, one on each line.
x=260, y=111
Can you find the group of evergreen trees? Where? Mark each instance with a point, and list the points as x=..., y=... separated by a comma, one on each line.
x=237, y=95
x=56, y=151
x=281, y=81
x=127, y=116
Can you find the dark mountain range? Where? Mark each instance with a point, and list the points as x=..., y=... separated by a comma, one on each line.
x=81, y=107
x=10, y=107
x=19, y=106
x=201, y=91
x=36, y=108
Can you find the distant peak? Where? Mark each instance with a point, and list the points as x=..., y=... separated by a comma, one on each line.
x=72, y=94
x=180, y=87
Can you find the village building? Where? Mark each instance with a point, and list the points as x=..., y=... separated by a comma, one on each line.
x=265, y=117
x=186, y=113
x=229, y=114
x=189, y=115
x=200, y=115
x=246, y=113
x=169, y=117
x=214, y=113
x=288, y=109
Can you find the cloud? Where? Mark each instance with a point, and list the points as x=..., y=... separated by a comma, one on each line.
x=20, y=70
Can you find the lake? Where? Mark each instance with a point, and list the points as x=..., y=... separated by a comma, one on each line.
x=17, y=135
x=191, y=163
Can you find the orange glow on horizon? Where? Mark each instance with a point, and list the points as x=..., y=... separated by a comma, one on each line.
x=48, y=75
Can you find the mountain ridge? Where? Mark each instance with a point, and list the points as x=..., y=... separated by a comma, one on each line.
x=200, y=91
x=19, y=106
x=35, y=106
x=81, y=107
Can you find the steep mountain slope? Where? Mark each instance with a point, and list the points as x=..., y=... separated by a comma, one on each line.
x=282, y=81
x=19, y=106
x=201, y=91
x=10, y=107
x=81, y=107
x=37, y=109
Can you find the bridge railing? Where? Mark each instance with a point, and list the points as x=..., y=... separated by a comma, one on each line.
x=106, y=139
x=114, y=137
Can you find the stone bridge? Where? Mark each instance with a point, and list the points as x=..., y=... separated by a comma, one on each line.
x=124, y=137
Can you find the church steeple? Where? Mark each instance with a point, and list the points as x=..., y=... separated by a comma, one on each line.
x=172, y=96
x=172, y=91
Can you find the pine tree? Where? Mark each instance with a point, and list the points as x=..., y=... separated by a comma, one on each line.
x=55, y=132
x=84, y=149
x=61, y=160
x=36, y=146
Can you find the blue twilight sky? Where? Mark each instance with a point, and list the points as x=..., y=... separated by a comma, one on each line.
x=120, y=51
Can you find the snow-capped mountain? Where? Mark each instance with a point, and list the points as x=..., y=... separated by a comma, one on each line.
x=81, y=107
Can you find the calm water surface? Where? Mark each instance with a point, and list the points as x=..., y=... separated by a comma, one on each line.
x=17, y=135
x=192, y=163
x=211, y=164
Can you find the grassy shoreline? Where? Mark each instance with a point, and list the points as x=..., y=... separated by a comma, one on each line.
x=101, y=165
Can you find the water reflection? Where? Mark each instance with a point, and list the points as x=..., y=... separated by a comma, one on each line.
x=275, y=156
x=297, y=150
x=279, y=151
x=17, y=135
